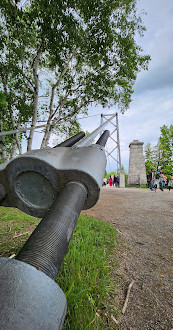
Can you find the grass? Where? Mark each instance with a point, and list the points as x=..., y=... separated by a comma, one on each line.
x=85, y=275
x=15, y=228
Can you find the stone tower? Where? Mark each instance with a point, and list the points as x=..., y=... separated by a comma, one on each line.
x=137, y=171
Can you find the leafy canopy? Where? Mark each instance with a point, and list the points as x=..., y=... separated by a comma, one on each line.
x=74, y=52
x=160, y=157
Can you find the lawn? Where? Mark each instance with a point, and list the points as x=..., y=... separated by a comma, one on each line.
x=86, y=273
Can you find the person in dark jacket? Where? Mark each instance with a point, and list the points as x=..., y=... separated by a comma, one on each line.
x=114, y=181
x=118, y=180
x=151, y=178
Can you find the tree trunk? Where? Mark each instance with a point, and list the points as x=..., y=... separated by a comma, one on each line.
x=13, y=149
x=46, y=133
x=48, y=129
x=35, y=105
x=56, y=120
x=43, y=144
x=3, y=154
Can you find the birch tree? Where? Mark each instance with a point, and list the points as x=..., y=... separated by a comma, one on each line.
x=58, y=57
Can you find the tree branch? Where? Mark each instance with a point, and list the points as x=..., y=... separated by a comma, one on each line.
x=64, y=99
x=65, y=69
x=25, y=76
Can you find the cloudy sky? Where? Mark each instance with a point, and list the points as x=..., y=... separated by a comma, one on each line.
x=152, y=104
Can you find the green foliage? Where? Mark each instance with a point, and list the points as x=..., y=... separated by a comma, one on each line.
x=76, y=52
x=160, y=157
x=166, y=147
x=3, y=103
x=149, y=158
x=108, y=174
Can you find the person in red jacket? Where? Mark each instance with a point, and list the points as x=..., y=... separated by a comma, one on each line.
x=110, y=181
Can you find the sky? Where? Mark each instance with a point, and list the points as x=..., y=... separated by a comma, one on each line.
x=152, y=100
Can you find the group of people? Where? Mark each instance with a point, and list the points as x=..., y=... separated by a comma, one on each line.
x=159, y=180
x=112, y=181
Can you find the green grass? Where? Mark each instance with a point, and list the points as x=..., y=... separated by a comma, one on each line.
x=15, y=228
x=85, y=275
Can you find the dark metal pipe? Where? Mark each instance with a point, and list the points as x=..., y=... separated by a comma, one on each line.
x=90, y=138
x=103, y=138
x=47, y=246
x=71, y=141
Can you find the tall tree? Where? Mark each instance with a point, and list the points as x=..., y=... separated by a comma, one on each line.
x=60, y=56
x=3, y=106
x=160, y=157
x=166, y=148
x=15, y=75
x=149, y=158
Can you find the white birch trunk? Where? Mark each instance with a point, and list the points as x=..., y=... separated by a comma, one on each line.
x=48, y=129
x=13, y=149
x=35, y=106
x=3, y=154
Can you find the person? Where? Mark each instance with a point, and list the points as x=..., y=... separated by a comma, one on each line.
x=110, y=181
x=170, y=183
x=118, y=180
x=104, y=181
x=148, y=181
x=156, y=181
x=165, y=181
x=114, y=181
x=151, y=177
x=161, y=180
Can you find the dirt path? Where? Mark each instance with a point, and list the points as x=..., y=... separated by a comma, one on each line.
x=145, y=220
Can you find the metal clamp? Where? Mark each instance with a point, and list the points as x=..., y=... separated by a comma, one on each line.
x=32, y=182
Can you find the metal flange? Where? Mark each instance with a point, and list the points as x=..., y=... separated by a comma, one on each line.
x=32, y=181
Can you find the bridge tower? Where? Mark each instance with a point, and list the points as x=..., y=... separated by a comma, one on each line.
x=114, y=151
x=137, y=171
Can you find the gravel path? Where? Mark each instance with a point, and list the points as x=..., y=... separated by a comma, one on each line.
x=145, y=220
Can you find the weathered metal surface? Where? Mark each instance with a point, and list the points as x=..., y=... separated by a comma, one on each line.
x=33, y=180
x=29, y=299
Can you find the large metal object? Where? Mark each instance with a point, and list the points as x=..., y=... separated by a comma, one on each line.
x=71, y=141
x=32, y=182
x=103, y=138
x=47, y=246
x=29, y=300
x=53, y=183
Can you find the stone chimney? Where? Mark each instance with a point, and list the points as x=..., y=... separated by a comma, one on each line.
x=137, y=171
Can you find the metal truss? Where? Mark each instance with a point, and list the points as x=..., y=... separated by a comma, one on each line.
x=114, y=136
